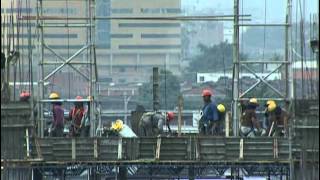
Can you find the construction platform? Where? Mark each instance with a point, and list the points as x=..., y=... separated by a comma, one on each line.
x=22, y=152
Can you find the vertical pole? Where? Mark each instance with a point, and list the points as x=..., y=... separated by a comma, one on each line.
x=180, y=114
x=235, y=111
x=41, y=71
x=92, y=79
x=156, y=102
x=227, y=124
x=289, y=79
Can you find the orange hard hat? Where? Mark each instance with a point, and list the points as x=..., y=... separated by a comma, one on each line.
x=206, y=92
x=79, y=97
x=170, y=116
x=24, y=94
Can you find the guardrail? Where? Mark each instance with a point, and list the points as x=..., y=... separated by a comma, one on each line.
x=165, y=149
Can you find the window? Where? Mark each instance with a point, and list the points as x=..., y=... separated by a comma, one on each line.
x=201, y=78
x=103, y=26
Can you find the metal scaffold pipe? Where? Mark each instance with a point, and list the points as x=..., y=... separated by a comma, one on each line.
x=173, y=18
x=235, y=86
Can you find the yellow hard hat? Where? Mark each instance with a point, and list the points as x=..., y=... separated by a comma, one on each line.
x=253, y=101
x=221, y=108
x=117, y=126
x=270, y=101
x=272, y=106
x=54, y=95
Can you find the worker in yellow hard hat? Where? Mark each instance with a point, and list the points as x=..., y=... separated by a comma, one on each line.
x=117, y=126
x=249, y=121
x=266, y=112
x=277, y=120
x=218, y=125
x=58, y=115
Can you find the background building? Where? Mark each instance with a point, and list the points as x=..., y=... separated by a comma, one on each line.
x=126, y=49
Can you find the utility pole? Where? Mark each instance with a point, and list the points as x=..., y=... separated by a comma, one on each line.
x=156, y=101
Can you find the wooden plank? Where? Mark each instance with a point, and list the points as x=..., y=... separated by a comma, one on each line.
x=95, y=148
x=120, y=148
x=241, y=149
x=73, y=154
x=157, y=155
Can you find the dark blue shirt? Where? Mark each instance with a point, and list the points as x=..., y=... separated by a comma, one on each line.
x=210, y=112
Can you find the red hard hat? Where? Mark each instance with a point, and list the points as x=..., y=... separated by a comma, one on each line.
x=170, y=116
x=79, y=97
x=206, y=92
x=24, y=94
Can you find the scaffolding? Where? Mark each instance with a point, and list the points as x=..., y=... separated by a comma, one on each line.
x=287, y=96
x=194, y=156
x=90, y=62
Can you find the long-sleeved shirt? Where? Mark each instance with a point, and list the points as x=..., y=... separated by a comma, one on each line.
x=210, y=112
x=58, y=116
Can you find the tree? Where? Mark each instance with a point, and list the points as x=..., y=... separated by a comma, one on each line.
x=169, y=91
x=217, y=58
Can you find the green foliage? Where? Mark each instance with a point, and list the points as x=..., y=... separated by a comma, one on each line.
x=212, y=59
x=169, y=91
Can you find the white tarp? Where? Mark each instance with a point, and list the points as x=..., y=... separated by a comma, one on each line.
x=126, y=131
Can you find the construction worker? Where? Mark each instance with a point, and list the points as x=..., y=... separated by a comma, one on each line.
x=151, y=123
x=58, y=116
x=85, y=122
x=218, y=125
x=266, y=113
x=277, y=120
x=75, y=116
x=24, y=96
x=209, y=114
x=250, y=125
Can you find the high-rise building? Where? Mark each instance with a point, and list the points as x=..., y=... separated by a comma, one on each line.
x=135, y=46
x=126, y=49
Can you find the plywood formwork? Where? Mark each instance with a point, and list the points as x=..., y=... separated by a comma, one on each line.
x=165, y=150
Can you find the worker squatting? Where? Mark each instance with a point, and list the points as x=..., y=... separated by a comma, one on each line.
x=213, y=116
x=152, y=123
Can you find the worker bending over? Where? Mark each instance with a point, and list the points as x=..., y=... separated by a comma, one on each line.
x=151, y=123
x=277, y=119
x=250, y=125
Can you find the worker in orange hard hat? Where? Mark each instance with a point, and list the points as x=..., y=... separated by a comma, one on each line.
x=151, y=123
x=209, y=116
x=25, y=96
x=75, y=116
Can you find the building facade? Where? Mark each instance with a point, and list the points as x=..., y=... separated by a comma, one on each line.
x=126, y=50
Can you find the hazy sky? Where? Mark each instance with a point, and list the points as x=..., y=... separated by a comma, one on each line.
x=275, y=8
